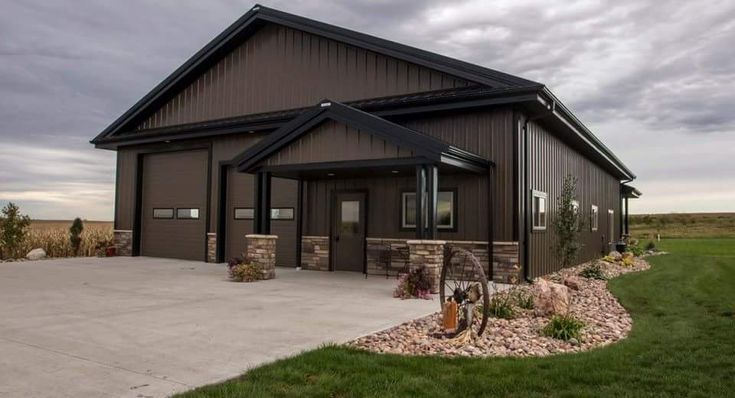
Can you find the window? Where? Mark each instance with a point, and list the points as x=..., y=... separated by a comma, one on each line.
x=594, y=218
x=244, y=213
x=445, y=210
x=187, y=214
x=280, y=213
x=539, y=211
x=163, y=214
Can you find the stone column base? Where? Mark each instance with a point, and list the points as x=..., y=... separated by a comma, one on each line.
x=315, y=253
x=261, y=250
x=123, y=241
x=429, y=255
x=211, y=247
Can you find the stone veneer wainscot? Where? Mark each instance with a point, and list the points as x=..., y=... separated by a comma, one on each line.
x=315, y=253
x=261, y=250
x=123, y=240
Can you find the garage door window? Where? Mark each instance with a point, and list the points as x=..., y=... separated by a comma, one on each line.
x=187, y=214
x=279, y=213
x=163, y=214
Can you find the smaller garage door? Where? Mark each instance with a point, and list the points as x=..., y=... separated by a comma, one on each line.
x=174, y=205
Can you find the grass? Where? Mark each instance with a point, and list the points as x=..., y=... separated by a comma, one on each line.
x=683, y=225
x=682, y=344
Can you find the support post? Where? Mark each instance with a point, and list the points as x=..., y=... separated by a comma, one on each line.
x=299, y=221
x=627, y=231
x=432, y=198
x=420, y=200
x=490, y=222
x=262, y=203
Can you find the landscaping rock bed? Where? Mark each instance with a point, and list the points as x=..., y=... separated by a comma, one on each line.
x=606, y=322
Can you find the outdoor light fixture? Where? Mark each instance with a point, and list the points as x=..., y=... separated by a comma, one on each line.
x=330, y=174
x=394, y=171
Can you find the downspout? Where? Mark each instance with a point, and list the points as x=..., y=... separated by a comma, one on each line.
x=550, y=109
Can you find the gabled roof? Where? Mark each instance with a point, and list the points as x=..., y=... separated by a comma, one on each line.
x=422, y=145
x=259, y=15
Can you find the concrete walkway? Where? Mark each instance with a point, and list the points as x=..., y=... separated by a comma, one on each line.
x=144, y=327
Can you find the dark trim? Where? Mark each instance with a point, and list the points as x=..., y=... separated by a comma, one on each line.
x=262, y=222
x=299, y=220
x=341, y=165
x=208, y=207
x=222, y=211
x=432, y=193
x=420, y=200
x=117, y=191
x=138, y=220
x=491, y=222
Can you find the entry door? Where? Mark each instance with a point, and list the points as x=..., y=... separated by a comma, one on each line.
x=348, y=232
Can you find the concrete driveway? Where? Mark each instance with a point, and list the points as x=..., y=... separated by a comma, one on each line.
x=144, y=327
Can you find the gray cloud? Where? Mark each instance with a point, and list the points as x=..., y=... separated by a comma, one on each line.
x=653, y=80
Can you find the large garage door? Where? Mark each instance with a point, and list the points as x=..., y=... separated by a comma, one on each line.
x=240, y=216
x=174, y=205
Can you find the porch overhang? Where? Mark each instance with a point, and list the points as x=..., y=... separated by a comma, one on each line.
x=630, y=192
x=413, y=147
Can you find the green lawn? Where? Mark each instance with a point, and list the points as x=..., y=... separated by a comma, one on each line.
x=682, y=343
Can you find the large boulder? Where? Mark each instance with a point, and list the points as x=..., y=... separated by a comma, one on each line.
x=36, y=254
x=550, y=298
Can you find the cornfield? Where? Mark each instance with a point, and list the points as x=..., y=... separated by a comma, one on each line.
x=53, y=237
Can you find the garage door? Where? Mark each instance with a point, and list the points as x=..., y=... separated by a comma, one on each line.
x=174, y=205
x=240, y=216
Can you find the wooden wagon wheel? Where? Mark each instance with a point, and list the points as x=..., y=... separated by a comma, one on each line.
x=462, y=279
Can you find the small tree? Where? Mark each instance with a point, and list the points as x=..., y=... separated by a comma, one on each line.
x=75, y=235
x=13, y=230
x=568, y=223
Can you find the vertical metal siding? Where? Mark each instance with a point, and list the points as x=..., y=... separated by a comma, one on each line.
x=551, y=160
x=488, y=133
x=333, y=141
x=282, y=68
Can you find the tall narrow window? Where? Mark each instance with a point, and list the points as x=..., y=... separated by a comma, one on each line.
x=445, y=210
x=539, y=211
x=594, y=218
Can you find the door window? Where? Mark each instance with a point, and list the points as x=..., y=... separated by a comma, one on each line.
x=350, y=217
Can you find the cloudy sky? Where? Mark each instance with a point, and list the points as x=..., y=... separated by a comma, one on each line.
x=653, y=81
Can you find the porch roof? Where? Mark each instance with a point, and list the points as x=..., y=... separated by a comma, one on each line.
x=631, y=192
x=407, y=147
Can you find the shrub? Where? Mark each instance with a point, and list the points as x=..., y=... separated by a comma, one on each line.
x=75, y=235
x=240, y=271
x=592, y=271
x=651, y=246
x=563, y=327
x=415, y=283
x=568, y=223
x=636, y=250
x=13, y=231
x=523, y=299
x=609, y=259
x=501, y=306
x=628, y=262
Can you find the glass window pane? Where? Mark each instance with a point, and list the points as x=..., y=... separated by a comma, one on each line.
x=445, y=210
x=244, y=213
x=409, y=210
x=350, y=221
x=285, y=213
x=187, y=214
x=165, y=214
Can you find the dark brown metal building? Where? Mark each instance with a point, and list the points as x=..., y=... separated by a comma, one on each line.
x=326, y=137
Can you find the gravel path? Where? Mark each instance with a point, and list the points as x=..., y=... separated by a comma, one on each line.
x=606, y=321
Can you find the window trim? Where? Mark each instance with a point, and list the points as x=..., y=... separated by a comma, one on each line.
x=173, y=213
x=594, y=218
x=539, y=194
x=455, y=210
x=188, y=218
x=292, y=209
